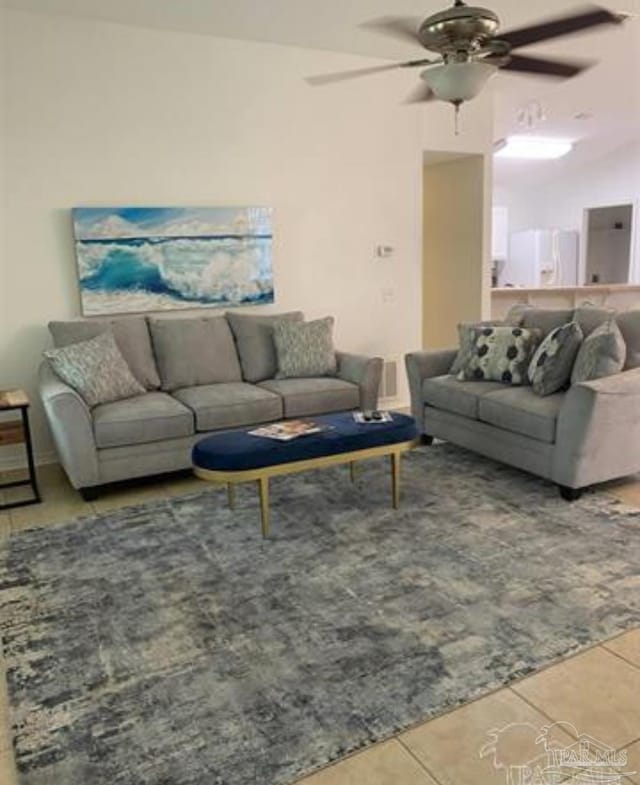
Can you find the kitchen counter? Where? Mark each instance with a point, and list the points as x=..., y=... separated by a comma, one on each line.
x=622, y=297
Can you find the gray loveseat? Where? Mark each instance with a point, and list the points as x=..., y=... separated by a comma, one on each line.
x=587, y=434
x=202, y=374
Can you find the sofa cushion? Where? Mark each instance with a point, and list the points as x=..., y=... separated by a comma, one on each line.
x=305, y=349
x=152, y=417
x=546, y=319
x=446, y=392
x=302, y=397
x=254, y=339
x=591, y=316
x=131, y=334
x=602, y=353
x=96, y=369
x=520, y=410
x=551, y=365
x=230, y=405
x=194, y=351
x=501, y=354
x=629, y=324
x=467, y=342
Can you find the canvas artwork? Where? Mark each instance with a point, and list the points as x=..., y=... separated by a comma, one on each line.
x=135, y=259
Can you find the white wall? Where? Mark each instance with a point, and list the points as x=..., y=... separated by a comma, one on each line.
x=101, y=114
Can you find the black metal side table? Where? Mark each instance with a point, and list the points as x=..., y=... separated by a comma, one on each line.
x=18, y=432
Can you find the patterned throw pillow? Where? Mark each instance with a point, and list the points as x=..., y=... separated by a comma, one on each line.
x=467, y=343
x=96, y=369
x=602, y=353
x=502, y=354
x=305, y=348
x=550, y=368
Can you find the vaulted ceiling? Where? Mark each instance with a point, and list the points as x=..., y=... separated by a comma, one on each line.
x=600, y=108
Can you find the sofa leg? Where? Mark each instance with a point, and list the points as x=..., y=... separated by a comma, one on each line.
x=570, y=494
x=89, y=494
x=426, y=439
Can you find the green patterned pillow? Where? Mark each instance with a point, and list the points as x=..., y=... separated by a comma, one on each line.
x=467, y=341
x=602, y=353
x=501, y=354
x=305, y=349
x=96, y=369
x=550, y=368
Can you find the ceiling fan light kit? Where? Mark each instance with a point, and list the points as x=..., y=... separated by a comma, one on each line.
x=471, y=49
x=458, y=82
x=533, y=148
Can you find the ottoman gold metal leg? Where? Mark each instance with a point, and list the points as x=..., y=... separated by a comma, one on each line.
x=231, y=495
x=264, y=504
x=353, y=470
x=395, y=479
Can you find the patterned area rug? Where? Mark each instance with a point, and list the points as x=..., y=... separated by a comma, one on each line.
x=168, y=643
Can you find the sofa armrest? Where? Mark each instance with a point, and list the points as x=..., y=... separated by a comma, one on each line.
x=71, y=425
x=366, y=372
x=425, y=365
x=598, y=432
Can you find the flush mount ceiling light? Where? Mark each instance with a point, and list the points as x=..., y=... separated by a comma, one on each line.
x=534, y=148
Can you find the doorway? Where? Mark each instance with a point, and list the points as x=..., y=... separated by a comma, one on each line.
x=608, y=233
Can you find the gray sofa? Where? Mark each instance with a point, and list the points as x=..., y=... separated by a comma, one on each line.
x=587, y=434
x=202, y=374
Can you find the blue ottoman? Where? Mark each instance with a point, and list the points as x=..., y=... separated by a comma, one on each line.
x=232, y=457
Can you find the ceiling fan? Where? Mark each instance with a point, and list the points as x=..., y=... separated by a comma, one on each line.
x=472, y=49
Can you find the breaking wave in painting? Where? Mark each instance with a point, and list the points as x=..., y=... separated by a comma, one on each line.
x=158, y=272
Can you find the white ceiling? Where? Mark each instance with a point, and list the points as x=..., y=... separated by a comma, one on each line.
x=608, y=93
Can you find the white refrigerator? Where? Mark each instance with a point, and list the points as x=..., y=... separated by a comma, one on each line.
x=541, y=257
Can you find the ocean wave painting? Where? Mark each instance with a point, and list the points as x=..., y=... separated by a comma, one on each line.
x=135, y=259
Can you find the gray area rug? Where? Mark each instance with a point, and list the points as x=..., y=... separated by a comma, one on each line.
x=168, y=644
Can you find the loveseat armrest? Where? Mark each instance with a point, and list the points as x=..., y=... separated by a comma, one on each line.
x=598, y=431
x=366, y=372
x=71, y=425
x=425, y=365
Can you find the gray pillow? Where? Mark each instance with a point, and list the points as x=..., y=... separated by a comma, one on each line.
x=501, y=354
x=194, y=351
x=467, y=342
x=131, y=334
x=550, y=368
x=629, y=324
x=254, y=339
x=96, y=369
x=305, y=349
x=602, y=354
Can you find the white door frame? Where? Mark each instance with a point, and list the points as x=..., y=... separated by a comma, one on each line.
x=634, y=244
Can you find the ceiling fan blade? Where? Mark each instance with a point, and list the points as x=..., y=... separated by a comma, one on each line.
x=543, y=66
x=403, y=28
x=420, y=95
x=590, y=16
x=341, y=76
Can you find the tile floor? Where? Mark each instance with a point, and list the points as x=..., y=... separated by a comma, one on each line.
x=597, y=691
